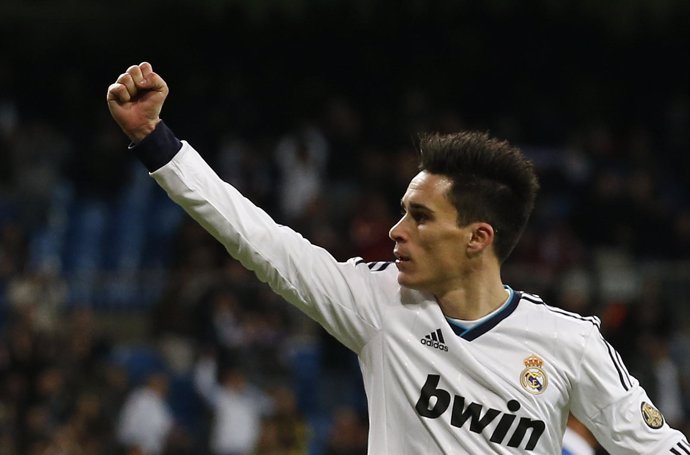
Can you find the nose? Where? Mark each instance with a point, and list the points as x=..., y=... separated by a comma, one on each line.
x=396, y=233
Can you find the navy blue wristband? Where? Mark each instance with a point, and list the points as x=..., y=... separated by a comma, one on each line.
x=158, y=148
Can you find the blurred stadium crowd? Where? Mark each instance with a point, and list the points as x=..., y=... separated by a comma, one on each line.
x=126, y=329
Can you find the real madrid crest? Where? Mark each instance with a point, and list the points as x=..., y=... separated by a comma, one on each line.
x=651, y=415
x=533, y=378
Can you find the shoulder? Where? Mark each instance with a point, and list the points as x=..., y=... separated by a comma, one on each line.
x=377, y=271
x=535, y=303
x=557, y=318
x=376, y=266
x=381, y=277
x=566, y=335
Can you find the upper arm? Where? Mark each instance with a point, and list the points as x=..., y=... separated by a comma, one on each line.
x=613, y=405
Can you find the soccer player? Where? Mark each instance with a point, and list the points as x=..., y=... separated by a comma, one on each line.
x=453, y=360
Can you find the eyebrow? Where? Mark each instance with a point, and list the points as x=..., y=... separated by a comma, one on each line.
x=416, y=206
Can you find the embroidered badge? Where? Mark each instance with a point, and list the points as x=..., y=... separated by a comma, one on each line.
x=533, y=378
x=651, y=416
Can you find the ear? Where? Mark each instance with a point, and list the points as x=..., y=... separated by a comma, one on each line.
x=482, y=237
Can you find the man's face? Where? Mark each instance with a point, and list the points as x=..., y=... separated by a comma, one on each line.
x=430, y=247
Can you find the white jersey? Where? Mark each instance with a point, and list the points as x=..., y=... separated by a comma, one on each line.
x=505, y=386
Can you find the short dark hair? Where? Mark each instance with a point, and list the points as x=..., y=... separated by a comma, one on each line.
x=492, y=182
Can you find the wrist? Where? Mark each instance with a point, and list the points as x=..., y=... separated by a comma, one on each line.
x=138, y=134
x=158, y=148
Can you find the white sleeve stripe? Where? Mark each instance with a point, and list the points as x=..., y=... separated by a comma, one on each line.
x=622, y=372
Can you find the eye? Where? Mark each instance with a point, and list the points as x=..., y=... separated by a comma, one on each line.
x=420, y=217
x=419, y=214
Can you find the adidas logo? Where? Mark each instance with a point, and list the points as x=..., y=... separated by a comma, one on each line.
x=435, y=340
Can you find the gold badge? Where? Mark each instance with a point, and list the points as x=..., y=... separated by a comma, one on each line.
x=651, y=415
x=533, y=378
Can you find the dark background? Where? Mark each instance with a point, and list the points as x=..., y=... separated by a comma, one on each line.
x=552, y=66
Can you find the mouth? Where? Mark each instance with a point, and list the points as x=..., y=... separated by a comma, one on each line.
x=400, y=258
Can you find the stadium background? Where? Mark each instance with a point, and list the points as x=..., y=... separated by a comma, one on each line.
x=311, y=108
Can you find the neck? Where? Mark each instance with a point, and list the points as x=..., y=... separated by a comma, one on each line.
x=478, y=295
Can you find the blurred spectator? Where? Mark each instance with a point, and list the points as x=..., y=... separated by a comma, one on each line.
x=301, y=157
x=284, y=431
x=86, y=348
x=145, y=420
x=575, y=291
x=649, y=215
x=348, y=434
x=249, y=167
x=680, y=244
x=578, y=440
x=9, y=119
x=237, y=405
x=343, y=127
x=226, y=319
x=37, y=158
x=9, y=122
x=91, y=423
x=38, y=297
x=14, y=250
x=600, y=215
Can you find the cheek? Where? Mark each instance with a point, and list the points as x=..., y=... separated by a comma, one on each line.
x=444, y=248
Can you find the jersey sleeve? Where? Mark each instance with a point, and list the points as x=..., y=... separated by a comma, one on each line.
x=340, y=296
x=616, y=409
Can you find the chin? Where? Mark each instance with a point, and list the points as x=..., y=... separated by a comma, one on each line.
x=408, y=282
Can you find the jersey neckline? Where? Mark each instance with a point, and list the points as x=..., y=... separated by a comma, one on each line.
x=488, y=324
